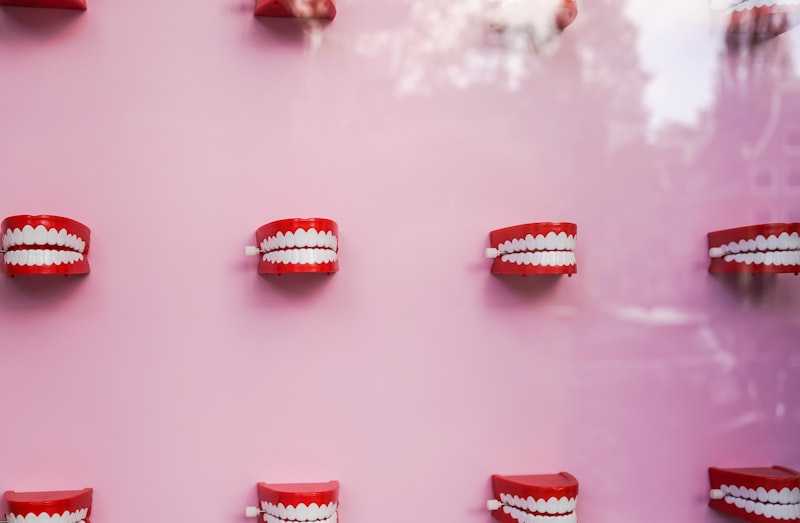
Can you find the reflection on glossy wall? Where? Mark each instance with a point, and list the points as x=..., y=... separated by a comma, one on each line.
x=174, y=376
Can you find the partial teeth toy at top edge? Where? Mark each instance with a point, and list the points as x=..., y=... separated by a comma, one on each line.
x=44, y=517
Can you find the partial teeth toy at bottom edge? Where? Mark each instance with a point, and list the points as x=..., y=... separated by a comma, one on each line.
x=269, y=518
x=739, y=5
x=300, y=256
x=527, y=517
x=768, y=510
x=546, y=258
x=66, y=517
x=40, y=257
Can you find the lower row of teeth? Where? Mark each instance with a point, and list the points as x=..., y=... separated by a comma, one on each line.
x=547, y=258
x=766, y=258
x=527, y=517
x=550, y=506
x=301, y=256
x=768, y=510
x=67, y=517
x=312, y=512
x=40, y=257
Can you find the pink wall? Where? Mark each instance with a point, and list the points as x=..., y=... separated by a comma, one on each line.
x=174, y=377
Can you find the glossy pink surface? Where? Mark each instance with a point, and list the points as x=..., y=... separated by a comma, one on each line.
x=173, y=378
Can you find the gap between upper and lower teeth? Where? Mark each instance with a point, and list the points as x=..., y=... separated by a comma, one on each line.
x=552, y=505
x=41, y=235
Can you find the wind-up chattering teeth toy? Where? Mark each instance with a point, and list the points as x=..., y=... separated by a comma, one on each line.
x=313, y=502
x=758, y=495
x=67, y=506
x=44, y=244
x=754, y=21
x=755, y=249
x=55, y=4
x=543, y=498
x=297, y=245
x=550, y=16
x=534, y=248
x=324, y=9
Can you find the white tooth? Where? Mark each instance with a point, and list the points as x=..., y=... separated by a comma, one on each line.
x=761, y=243
x=505, y=258
x=312, y=512
x=13, y=257
x=28, y=235
x=518, y=258
x=571, y=258
x=527, y=258
x=743, y=245
x=530, y=504
x=71, y=240
x=767, y=258
x=318, y=255
x=772, y=495
x=300, y=238
x=263, y=245
x=289, y=236
x=56, y=518
x=795, y=495
x=739, y=257
x=562, y=258
x=506, y=246
x=541, y=505
x=734, y=491
x=783, y=241
x=772, y=242
x=729, y=500
x=335, y=242
x=751, y=245
x=281, y=240
x=733, y=247
x=729, y=258
x=312, y=237
x=515, y=247
x=52, y=236
x=571, y=242
x=62, y=238
x=281, y=508
x=515, y=501
x=40, y=235
x=48, y=257
x=563, y=504
x=759, y=258
x=540, y=242
x=787, y=257
x=751, y=493
x=552, y=505
x=31, y=258
x=6, y=241
x=302, y=511
x=286, y=256
x=759, y=509
x=264, y=506
x=545, y=261
x=561, y=242
x=530, y=242
x=290, y=510
x=749, y=506
x=769, y=511
x=7, y=258
x=794, y=241
x=572, y=503
x=81, y=245
x=537, y=258
x=551, y=241
x=17, y=237
x=739, y=502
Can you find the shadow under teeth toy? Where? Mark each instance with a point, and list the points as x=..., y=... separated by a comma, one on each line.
x=543, y=498
x=534, y=248
x=758, y=495
x=51, y=4
x=313, y=502
x=322, y=9
x=756, y=249
x=44, y=244
x=66, y=506
x=297, y=245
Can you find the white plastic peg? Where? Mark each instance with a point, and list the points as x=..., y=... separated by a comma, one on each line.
x=251, y=512
x=716, y=252
x=493, y=504
x=252, y=250
x=492, y=253
x=716, y=493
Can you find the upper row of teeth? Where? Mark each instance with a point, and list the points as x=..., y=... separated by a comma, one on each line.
x=548, y=506
x=40, y=257
x=783, y=242
x=301, y=512
x=785, y=495
x=527, y=517
x=300, y=238
x=551, y=242
x=41, y=235
x=768, y=510
x=67, y=517
x=740, y=5
x=552, y=258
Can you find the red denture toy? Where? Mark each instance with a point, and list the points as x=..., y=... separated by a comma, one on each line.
x=758, y=495
x=534, y=248
x=544, y=498
x=753, y=21
x=67, y=506
x=43, y=244
x=54, y=4
x=297, y=245
x=323, y=9
x=756, y=249
x=314, y=502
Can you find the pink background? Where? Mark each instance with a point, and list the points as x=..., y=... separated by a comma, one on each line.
x=174, y=377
